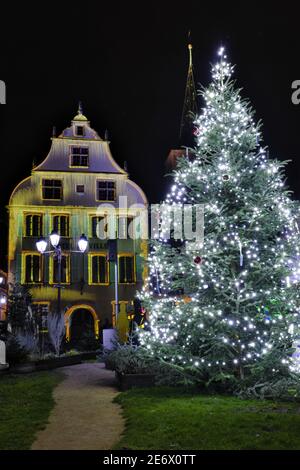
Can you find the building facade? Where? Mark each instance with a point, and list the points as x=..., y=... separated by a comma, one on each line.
x=71, y=192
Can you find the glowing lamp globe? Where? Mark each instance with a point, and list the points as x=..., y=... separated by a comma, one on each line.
x=3, y=300
x=82, y=243
x=54, y=238
x=41, y=245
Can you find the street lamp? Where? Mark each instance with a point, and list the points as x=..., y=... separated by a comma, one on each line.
x=82, y=243
x=41, y=245
x=54, y=237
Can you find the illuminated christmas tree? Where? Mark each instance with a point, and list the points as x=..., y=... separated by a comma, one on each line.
x=229, y=312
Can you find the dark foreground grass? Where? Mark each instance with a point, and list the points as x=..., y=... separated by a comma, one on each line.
x=25, y=405
x=175, y=419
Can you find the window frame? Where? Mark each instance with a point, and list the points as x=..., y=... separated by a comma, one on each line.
x=51, y=270
x=25, y=215
x=128, y=255
x=23, y=268
x=91, y=217
x=61, y=189
x=106, y=181
x=76, y=133
x=90, y=268
x=130, y=218
x=59, y=214
x=71, y=155
x=79, y=192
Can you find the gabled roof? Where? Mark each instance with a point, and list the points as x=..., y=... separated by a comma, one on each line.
x=100, y=157
x=83, y=122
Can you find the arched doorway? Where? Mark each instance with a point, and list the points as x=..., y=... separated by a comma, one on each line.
x=81, y=321
x=81, y=325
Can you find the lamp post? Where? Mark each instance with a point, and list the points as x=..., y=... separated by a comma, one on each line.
x=54, y=238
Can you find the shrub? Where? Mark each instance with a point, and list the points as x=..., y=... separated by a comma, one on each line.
x=15, y=353
x=132, y=359
x=87, y=342
x=126, y=359
x=283, y=389
x=170, y=375
x=109, y=357
x=56, y=330
x=21, y=316
x=29, y=341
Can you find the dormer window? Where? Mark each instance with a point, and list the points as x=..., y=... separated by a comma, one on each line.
x=79, y=131
x=79, y=157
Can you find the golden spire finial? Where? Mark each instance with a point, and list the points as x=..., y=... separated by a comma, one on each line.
x=190, y=47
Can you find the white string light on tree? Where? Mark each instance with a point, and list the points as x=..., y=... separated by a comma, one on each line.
x=235, y=309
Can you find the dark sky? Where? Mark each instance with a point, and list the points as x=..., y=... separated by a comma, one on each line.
x=127, y=63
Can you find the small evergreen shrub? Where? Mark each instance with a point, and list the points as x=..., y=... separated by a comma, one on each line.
x=86, y=343
x=126, y=359
x=15, y=352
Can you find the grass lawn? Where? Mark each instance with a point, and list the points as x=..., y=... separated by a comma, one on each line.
x=164, y=418
x=25, y=405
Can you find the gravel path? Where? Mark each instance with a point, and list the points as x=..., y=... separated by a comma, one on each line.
x=84, y=416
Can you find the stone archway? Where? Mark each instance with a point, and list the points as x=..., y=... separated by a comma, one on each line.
x=84, y=312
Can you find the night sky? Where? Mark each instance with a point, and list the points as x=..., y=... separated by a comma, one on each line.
x=127, y=63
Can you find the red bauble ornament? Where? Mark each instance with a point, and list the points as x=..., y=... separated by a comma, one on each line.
x=198, y=260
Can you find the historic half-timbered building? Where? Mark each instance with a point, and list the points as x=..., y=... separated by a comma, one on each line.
x=67, y=193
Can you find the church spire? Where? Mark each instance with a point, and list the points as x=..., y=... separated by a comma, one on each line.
x=190, y=102
x=190, y=108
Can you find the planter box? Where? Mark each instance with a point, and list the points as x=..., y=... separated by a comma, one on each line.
x=127, y=381
x=46, y=364
x=25, y=368
x=53, y=363
x=89, y=355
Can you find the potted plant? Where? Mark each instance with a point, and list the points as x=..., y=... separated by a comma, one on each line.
x=132, y=369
